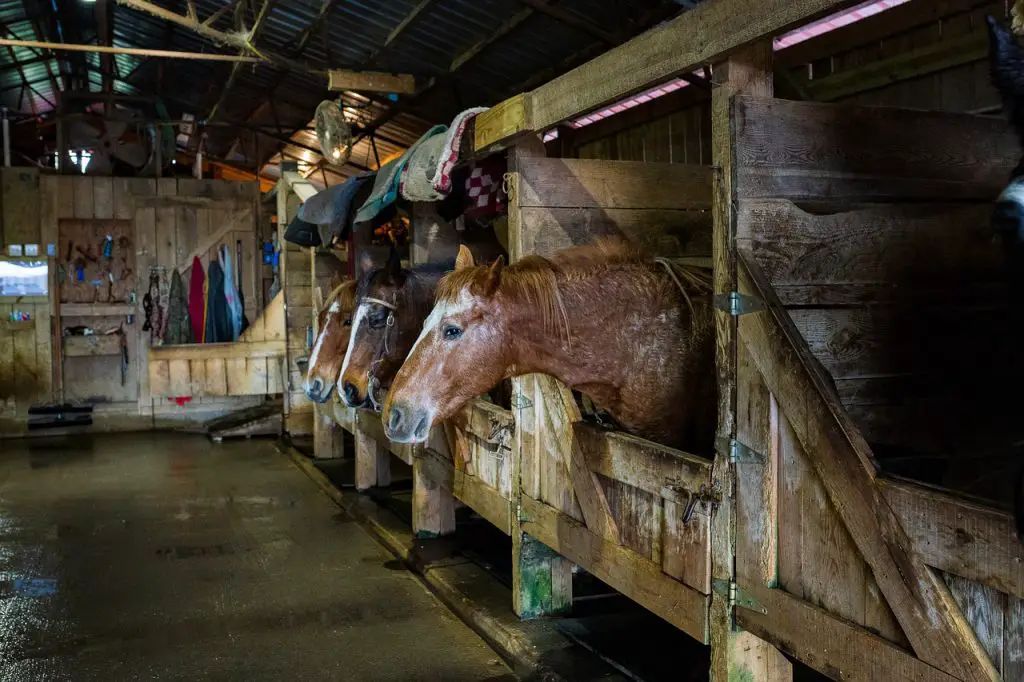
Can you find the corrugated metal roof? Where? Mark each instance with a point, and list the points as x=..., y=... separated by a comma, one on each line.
x=511, y=44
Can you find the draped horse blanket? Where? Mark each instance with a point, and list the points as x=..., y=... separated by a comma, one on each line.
x=331, y=208
x=417, y=180
x=442, y=180
x=485, y=195
x=197, y=300
x=385, y=185
x=179, y=328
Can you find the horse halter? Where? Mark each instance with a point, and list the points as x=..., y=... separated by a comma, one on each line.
x=372, y=383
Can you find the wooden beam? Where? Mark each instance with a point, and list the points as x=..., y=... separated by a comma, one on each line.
x=254, y=32
x=414, y=15
x=143, y=52
x=826, y=643
x=842, y=459
x=636, y=576
x=372, y=81
x=216, y=351
x=701, y=36
x=940, y=56
x=959, y=536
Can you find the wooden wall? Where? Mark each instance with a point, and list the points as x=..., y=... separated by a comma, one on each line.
x=172, y=220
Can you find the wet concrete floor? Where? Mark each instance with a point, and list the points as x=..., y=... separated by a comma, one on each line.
x=167, y=557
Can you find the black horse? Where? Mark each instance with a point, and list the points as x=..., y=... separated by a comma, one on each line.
x=1007, y=73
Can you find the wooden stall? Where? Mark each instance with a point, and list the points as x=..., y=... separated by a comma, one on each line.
x=864, y=308
x=155, y=226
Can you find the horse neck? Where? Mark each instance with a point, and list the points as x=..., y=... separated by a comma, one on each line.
x=418, y=292
x=596, y=307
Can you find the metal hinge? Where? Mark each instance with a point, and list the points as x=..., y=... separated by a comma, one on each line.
x=737, y=452
x=736, y=596
x=736, y=303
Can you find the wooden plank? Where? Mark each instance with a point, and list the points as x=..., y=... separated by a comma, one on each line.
x=959, y=536
x=1013, y=641
x=103, y=197
x=97, y=309
x=124, y=202
x=929, y=59
x=983, y=608
x=370, y=81
x=842, y=459
x=636, y=576
x=587, y=183
x=223, y=351
x=671, y=474
x=84, y=197
x=19, y=220
x=503, y=121
x=145, y=244
x=802, y=150
x=828, y=644
x=368, y=452
x=237, y=376
x=205, y=245
x=686, y=546
x=87, y=346
x=663, y=233
x=433, y=510
x=215, y=378
x=895, y=245
x=197, y=377
x=180, y=378
x=159, y=379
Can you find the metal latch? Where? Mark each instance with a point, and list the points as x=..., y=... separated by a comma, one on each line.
x=736, y=596
x=708, y=497
x=737, y=452
x=736, y=303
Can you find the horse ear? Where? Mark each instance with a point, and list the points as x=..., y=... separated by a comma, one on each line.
x=494, y=274
x=465, y=258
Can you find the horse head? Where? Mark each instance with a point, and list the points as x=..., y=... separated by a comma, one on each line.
x=334, y=325
x=391, y=303
x=1006, y=69
x=460, y=353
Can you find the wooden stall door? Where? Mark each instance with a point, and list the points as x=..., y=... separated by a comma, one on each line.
x=610, y=502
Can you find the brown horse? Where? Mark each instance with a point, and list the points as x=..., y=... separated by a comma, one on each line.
x=634, y=335
x=335, y=326
x=391, y=303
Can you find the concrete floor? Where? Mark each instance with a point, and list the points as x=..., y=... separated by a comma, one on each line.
x=168, y=557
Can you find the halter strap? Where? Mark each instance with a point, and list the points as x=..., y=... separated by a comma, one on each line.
x=389, y=306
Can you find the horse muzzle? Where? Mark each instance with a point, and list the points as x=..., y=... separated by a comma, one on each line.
x=317, y=391
x=405, y=424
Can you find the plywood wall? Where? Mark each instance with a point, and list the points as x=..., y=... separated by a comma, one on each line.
x=171, y=220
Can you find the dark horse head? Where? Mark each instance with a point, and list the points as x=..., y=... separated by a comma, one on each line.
x=1007, y=73
x=391, y=303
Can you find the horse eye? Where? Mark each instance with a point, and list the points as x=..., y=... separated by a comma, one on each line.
x=452, y=332
x=347, y=323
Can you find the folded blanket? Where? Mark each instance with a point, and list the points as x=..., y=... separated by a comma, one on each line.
x=416, y=183
x=385, y=185
x=442, y=180
x=485, y=196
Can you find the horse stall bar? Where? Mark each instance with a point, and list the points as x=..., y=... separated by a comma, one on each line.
x=628, y=511
x=873, y=368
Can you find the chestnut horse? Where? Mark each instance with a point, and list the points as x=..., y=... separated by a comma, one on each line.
x=634, y=335
x=335, y=326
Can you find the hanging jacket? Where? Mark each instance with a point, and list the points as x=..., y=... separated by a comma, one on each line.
x=218, y=317
x=197, y=300
x=179, y=329
x=231, y=293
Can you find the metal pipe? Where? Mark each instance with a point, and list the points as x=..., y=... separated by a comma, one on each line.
x=103, y=49
x=7, y=137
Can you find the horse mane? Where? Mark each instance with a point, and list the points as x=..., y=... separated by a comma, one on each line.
x=344, y=294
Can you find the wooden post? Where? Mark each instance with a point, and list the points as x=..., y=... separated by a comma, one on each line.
x=328, y=436
x=373, y=461
x=541, y=578
x=433, y=504
x=734, y=655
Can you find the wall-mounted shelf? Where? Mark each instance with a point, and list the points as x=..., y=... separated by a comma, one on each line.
x=19, y=326
x=96, y=309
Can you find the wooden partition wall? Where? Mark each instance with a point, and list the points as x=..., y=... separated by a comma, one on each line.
x=863, y=233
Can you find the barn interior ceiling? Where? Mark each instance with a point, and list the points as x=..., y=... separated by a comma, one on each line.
x=250, y=73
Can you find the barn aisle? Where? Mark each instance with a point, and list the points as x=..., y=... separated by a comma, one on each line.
x=168, y=557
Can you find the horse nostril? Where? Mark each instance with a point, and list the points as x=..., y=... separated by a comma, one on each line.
x=396, y=418
x=317, y=386
x=351, y=394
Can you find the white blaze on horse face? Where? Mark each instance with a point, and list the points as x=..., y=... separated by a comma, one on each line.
x=333, y=310
x=356, y=321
